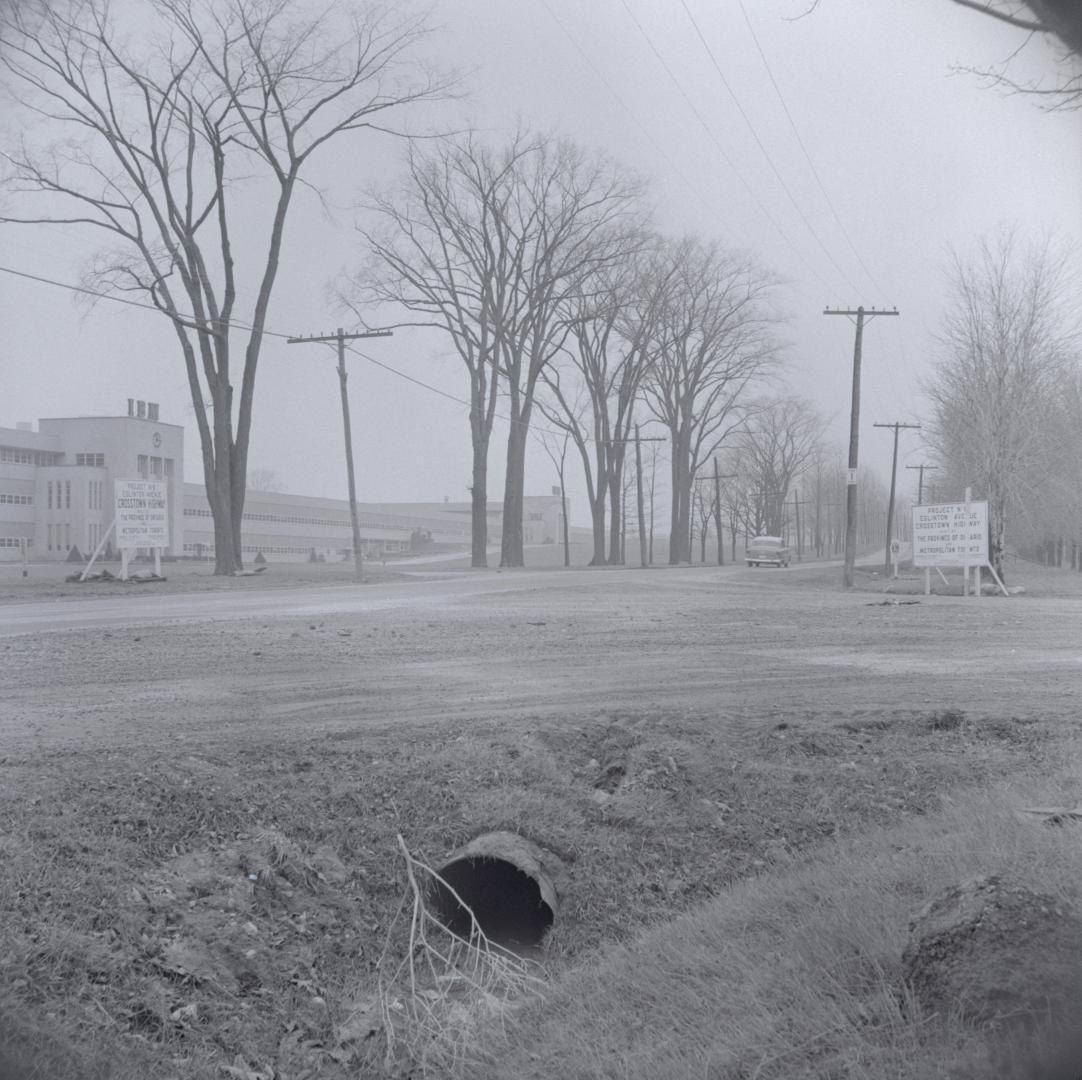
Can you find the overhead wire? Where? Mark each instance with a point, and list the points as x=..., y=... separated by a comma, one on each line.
x=762, y=147
x=627, y=108
x=278, y=334
x=718, y=144
x=807, y=154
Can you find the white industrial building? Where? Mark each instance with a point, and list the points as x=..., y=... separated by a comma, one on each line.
x=56, y=495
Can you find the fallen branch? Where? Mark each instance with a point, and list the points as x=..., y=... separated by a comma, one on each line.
x=445, y=986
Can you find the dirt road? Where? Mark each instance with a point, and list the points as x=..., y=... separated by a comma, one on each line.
x=203, y=793
x=741, y=642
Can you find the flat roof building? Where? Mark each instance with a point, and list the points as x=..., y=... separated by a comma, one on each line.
x=57, y=494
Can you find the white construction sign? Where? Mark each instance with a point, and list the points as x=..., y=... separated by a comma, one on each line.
x=950, y=534
x=142, y=514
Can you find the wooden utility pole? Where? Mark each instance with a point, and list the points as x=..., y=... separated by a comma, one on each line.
x=920, y=481
x=644, y=555
x=796, y=526
x=718, y=477
x=567, y=529
x=854, y=438
x=341, y=338
x=639, y=495
x=897, y=425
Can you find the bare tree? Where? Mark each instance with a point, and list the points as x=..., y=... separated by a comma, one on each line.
x=653, y=456
x=1060, y=19
x=154, y=143
x=715, y=339
x=774, y=446
x=555, y=446
x=441, y=249
x=612, y=326
x=264, y=480
x=705, y=506
x=574, y=216
x=489, y=245
x=1004, y=347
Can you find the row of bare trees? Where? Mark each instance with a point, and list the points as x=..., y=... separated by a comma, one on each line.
x=534, y=257
x=1006, y=396
x=537, y=261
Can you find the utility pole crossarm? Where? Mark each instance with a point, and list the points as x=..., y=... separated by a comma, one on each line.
x=335, y=337
x=923, y=468
x=340, y=337
x=867, y=313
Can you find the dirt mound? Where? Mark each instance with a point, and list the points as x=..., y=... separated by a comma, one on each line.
x=999, y=954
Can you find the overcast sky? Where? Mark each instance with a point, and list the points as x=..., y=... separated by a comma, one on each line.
x=914, y=156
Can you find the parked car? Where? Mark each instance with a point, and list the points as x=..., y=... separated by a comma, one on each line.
x=767, y=551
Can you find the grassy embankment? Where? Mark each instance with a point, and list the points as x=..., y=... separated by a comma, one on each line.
x=191, y=912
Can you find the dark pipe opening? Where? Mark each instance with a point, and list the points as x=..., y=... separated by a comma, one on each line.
x=505, y=901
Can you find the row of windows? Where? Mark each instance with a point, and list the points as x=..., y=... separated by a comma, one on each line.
x=12, y=455
x=95, y=494
x=63, y=491
x=295, y=519
x=154, y=467
x=270, y=549
x=97, y=460
x=17, y=500
x=58, y=537
x=284, y=519
x=14, y=541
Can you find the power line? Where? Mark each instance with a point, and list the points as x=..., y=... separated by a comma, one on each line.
x=762, y=147
x=627, y=108
x=805, y=151
x=717, y=142
x=269, y=333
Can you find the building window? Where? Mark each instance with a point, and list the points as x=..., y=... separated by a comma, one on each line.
x=49, y=486
x=50, y=535
x=142, y=467
x=67, y=536
x=67, y=495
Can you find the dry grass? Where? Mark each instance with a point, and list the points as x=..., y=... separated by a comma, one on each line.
x=796, y=974
x=438, y=989
x=180, y=911
x=46, y=581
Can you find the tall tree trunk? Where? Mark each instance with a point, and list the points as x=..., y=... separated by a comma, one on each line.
x=227, y=546
x=675, y=531
x=511, y=547
x=597, y=514
x=479, y=500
